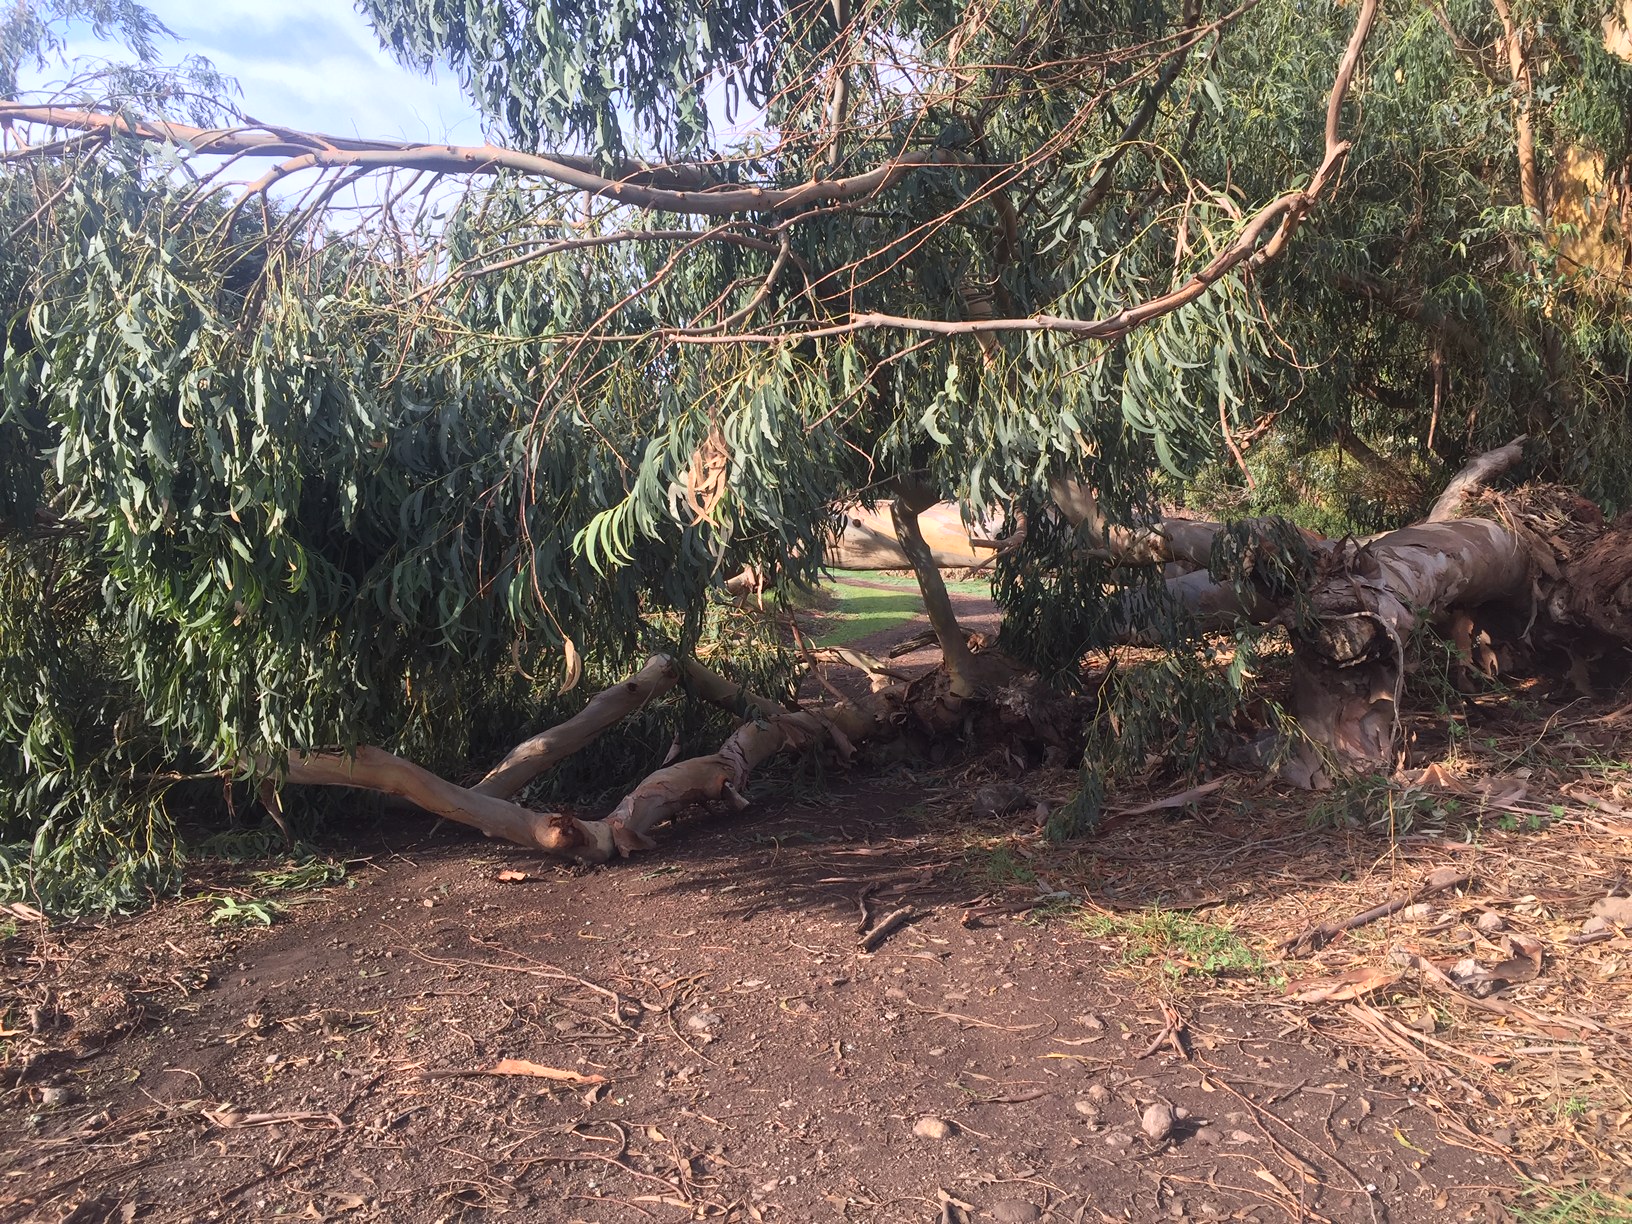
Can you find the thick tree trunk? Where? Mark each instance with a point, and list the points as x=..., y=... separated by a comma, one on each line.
x=1351, y=646
x=971, y=675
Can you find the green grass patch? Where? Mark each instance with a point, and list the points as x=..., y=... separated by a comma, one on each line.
x=998, y=866
x=851, y=612
x=1183, y=945
x=978, y=587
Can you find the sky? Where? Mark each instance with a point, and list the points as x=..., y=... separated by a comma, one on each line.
x=313, y=65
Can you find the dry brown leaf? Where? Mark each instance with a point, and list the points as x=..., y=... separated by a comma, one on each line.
x=1434, y=777
x=508, y=876
x=575, y=665
x=1503, y=791
x=520, y=1066
x=1264, y=1175
x=1614, y=909
x=1351, y=985
x=1523, y=963
x=25, y=912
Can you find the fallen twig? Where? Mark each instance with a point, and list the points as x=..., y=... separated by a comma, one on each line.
x=1319, y=936
x=887, y=926
x=1172, y=1034
x=864, y=909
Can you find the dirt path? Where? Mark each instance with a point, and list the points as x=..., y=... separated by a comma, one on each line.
x=757, y=1065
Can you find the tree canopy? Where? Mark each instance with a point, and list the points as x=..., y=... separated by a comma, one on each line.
x=312, y=443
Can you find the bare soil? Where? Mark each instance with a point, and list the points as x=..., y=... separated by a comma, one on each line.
x=756, y=1064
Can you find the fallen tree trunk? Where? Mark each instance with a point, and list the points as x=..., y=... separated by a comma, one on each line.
x=1350, y=628
x=1350, y=640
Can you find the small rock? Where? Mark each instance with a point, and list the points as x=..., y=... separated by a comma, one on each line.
x=1418, y=911
x=1181, y=1113
x=1593, y=925
x=1015, y=1211
x=1241, y=1136
x=703, y=1021
x=1118, y=1139
x=1208, y=1135
x=1157, y=1122
x=1616, y=910
x=1088, y=1110
x=1503, y=1136
x=932, y=1128
x=1489, y=922
x=54, y=1097
x=1099, y=1094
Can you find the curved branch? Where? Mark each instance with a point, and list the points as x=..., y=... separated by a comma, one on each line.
x=1478, y=472
x=637, y=185
x=611, y=705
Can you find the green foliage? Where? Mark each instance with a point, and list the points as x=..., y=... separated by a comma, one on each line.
x=236, y=911
x=1571, y=1205
x=300, y=875
x=1376, y=803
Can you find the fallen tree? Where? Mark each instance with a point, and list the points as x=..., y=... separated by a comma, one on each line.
x=280, y=476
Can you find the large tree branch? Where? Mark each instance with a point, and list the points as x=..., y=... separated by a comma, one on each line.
x=1262, y=239
x=611, y=705
x=641, y=186
x=1478, y=472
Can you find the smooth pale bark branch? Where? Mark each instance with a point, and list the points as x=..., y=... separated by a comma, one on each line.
x=1478, y=472
x=725, y=774
x=608, y=707
x=376, y=769
x=1524, y=131
x=305, y=151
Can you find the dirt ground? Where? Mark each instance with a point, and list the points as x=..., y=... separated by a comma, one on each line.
x=749, y=1061
x=452, y=1030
